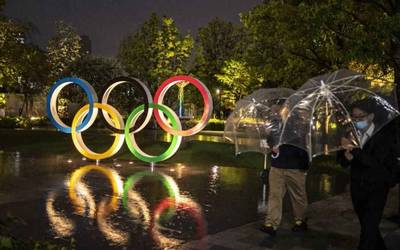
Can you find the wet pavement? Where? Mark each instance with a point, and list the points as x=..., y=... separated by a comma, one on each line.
x=332, y=225
x=59, y=199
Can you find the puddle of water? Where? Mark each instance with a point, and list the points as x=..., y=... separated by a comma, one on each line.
x=124, y=203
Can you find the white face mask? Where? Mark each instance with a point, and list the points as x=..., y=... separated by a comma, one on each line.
x=362, y=125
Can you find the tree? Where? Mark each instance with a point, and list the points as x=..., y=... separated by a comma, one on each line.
x=288, y=44
x=12, y=47
x=216, y=43
x=98, y=72
x=2, y=3
x=32, y=73
x=63, y=50
x=238, y=80
x=156, y=51
x=295, y=40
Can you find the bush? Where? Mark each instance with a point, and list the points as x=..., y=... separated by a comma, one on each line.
x=213, y=124
x=2, y=100
x=22, y=122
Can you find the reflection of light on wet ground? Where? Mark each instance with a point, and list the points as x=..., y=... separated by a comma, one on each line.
x=107, y=228
x=213, y=181
x=112, y=175
x=82, y=198
x=326, y=184
x=184, y=204
x=104, y=212
x=262, y=204
x=60, y=224
x=138, y=208
x=180, y=169
x=215, y=188
x=17, y=165
x=197, y=137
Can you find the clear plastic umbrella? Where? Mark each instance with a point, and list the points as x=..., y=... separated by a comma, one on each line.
x=255, y=123
x=319, y=114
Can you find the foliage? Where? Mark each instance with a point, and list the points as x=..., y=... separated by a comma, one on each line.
x=214, y=124
x=12, y=47
x=95, y=70
x=216, y=43
x=23, y=65
x=156, y=51
x=2, y=3
x=2, y=99
x=295, y=40
x=22, y=122
x=238, y=80
x=63, y=50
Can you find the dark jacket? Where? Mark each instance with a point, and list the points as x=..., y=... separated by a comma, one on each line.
x=291, y=157
x=375, y=162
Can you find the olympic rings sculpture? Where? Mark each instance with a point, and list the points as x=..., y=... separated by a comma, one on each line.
x=86, y=116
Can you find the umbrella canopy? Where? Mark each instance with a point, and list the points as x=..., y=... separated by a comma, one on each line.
x=254, y=124
x=321, y=113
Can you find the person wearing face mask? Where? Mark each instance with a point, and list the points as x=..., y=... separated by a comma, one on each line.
x=370, y=172
x=287, y=174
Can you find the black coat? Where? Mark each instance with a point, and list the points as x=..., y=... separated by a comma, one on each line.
x=375, y=162
x=291, y=157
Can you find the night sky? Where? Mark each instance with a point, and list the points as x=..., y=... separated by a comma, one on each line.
x=106, y=22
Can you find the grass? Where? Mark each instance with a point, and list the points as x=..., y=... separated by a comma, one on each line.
x=199, y=153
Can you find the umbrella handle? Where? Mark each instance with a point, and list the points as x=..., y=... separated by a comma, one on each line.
x=275, y=156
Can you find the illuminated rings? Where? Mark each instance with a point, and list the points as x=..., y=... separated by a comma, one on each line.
x=167, y=181
x=114, y=83
x=185, y=204
x=77, y=137
x=112, y=176
x=168, y=121
x=208, y=106
x=131, y=142
x=51, y=105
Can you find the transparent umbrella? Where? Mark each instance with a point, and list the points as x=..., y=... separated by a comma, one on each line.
x=254, y=124
x=319, y=114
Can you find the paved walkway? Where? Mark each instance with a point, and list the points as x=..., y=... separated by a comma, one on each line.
x=332, y=225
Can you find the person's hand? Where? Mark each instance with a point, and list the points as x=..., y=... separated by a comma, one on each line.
x=346, y=144
x=349, y=156
x=275, y=149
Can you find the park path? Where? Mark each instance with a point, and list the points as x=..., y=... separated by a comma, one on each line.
x=332, y=226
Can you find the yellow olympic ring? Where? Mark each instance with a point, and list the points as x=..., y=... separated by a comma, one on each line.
x=77, y=137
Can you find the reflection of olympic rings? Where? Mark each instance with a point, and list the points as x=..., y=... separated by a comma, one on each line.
x=168, y=206
x=85, y=116
x=81, y=197
x=62, y=226
x=167, y=181
x=138, y=209
x=78, y=174
x=184, y=204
